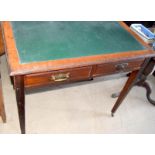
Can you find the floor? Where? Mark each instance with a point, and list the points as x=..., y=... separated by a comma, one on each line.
x=82, y=107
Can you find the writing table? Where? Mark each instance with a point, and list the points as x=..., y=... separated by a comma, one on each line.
x=47, y=53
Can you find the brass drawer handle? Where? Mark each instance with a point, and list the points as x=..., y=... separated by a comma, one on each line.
x=121, y=67
x=60, y=77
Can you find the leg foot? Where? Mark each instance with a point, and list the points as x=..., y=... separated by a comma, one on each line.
x=112, y=114
x=90, y=79
x=115, y=95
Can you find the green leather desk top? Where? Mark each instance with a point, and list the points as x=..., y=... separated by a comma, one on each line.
x=43, y=41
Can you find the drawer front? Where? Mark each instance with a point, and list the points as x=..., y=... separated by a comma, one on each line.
x=60, y=76
x=117, y=67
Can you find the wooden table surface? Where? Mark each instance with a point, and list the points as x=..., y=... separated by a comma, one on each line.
x=44, y=41
x=42, y=46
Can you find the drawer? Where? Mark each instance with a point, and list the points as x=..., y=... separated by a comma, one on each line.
x=117, y=67
x=55, y=77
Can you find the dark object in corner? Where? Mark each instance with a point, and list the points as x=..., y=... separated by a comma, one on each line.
x=145, y=23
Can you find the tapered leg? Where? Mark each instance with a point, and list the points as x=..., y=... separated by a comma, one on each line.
x=135, y=78
x=124, y=92
x=20, y=97
x=141, y=78
x=2, y=110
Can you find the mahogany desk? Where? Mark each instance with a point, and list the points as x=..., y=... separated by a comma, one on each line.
x=48, y=53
